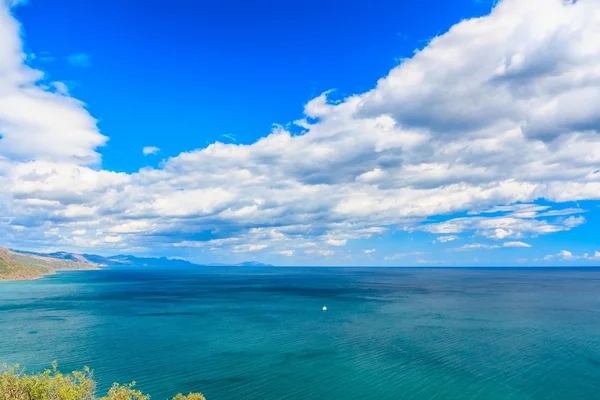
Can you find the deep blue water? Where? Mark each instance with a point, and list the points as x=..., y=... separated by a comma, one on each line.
x=261, y=334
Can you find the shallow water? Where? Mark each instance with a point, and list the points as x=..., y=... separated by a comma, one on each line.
x=261, y=334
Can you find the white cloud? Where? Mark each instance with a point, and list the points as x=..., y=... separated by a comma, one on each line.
x=287, y=253
x=371, y=176
x=135, y=226
x=149, y=150
x=370, y=251
x=482, y=246
x=445, y=239
x=566, y=255
x=478, y=246
x=208, y=243
x=506, y=226
x=516, y=244
x=336, y=242
x=37, y=122
x=61, y=88
x=524, y=67
x=249, y=248
x=112, y=239
x=322, y=252
x=501, y=109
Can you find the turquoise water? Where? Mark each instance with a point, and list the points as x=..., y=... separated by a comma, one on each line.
x=261, y=334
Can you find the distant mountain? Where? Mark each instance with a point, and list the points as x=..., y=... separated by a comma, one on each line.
x=253, y=264
x=59, y=255
x=124, y=259
x=121, y=259
x=25, y=266
x=243, y=264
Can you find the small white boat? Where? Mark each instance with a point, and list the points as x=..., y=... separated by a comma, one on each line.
x=324, y=308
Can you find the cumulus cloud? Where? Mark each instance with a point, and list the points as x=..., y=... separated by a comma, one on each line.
x=478, y=246
x=566, y=255
x=515, y=221
x=336, y=242
x=482, y=246
x=525, y=71
x=112, y=239
x=148, y=150
x=445, y=239
x=249, y=247
x=370, y=251
x=499, y=111
x=516, y=244
x=38, y=123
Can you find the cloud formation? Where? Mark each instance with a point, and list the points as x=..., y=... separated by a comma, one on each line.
x=565, y=255
x=483, y=246
x=500, y=111
x=478, y=246
x=513, y=221
x=38, y=122
x=516, y=244
x=446, y=239
x=149, y=150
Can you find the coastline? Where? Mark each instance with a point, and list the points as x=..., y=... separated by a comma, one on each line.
x=43, y=275
x=26, y=278
x=16, y=266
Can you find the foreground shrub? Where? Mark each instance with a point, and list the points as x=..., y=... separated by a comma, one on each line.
x=53, y=385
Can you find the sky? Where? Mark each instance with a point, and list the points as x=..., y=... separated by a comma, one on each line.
x=428, y=133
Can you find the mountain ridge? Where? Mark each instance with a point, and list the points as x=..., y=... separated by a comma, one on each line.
x=66, y=260
x=22, y=266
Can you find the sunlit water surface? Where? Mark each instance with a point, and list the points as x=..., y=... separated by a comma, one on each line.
x=236, y=333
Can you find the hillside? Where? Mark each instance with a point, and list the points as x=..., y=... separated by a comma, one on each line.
x=21, y=266
x=133, y=261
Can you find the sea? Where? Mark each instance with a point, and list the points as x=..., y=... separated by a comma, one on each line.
x=261, y=333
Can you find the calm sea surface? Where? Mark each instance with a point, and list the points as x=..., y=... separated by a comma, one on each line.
x=261, y=334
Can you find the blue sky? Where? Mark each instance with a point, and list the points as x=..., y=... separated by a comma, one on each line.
x=205, y=69
x=303, y=133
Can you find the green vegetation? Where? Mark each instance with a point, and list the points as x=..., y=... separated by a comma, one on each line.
x=52, y=385
x=17, y=266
